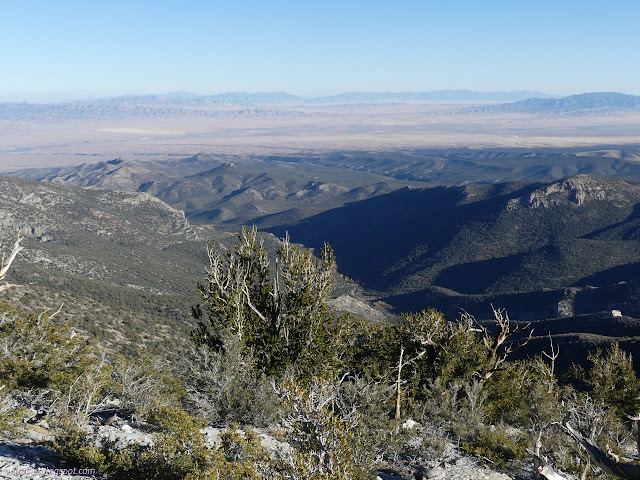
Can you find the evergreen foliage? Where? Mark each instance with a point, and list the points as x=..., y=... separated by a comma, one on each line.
x=613, y=381
x=278, y=313
x=36, y=355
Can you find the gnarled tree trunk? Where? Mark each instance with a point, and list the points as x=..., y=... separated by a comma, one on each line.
x=606, y=463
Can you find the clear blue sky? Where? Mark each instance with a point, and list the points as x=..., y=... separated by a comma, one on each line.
x=94, y=48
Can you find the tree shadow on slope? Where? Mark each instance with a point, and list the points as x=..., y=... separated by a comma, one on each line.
x=478, y=277
x=628, y=229
x=382, y=240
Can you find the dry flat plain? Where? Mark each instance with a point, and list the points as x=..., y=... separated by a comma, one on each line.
x=46, y=141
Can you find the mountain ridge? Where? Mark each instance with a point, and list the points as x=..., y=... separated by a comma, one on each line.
x=459, y=247
x=280, y=97
x=572, y=103
x=229, y=191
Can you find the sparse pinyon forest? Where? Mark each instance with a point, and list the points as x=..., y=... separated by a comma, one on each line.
x=298, y=390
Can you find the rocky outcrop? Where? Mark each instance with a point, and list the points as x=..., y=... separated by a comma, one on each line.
x=347, y=303
x=576, y=190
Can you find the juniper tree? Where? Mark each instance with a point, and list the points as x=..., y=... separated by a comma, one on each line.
x=279, y=312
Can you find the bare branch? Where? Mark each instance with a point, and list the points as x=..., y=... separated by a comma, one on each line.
x=541, y=465
x=57, y=311
x=6, y=263
x=17, y=248
x=544, y=469
x=495, y=359
x=399, y=381
x=601, y=459
x=7, y=286
x=552, y=357
x=245, y=289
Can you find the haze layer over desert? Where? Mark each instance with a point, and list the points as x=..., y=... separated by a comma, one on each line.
x=55, y=140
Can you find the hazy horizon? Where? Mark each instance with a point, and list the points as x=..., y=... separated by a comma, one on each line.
x=63, y=97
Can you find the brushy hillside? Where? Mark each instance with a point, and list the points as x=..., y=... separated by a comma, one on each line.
x=124, y=264
x=298, y=391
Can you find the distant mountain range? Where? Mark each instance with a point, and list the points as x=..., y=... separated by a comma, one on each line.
x=281, y=104
x=228, y=191
x=433, y=96
x=189, y=99
x=585, y=101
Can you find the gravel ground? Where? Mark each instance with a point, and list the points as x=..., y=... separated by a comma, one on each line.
x=28, y=459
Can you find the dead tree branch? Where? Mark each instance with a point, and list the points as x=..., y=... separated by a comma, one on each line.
x=495, y=358
x=6, y=263
x=607, y=464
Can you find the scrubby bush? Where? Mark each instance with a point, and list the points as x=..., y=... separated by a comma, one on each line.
x=50, y=366
x=10, y=414
x=72, y=444
x=226, y=387
x=497, y=443
x=142, y=385
x=178, y=449
x=35, y=354
x=241, y=456
x=324, y=445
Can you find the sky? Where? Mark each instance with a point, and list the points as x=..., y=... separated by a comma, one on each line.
x=74, y=49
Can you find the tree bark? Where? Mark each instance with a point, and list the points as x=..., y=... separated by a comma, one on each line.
x=602, y=460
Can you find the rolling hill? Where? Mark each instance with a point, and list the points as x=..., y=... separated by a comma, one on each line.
x=228, y=191
x=468, y=165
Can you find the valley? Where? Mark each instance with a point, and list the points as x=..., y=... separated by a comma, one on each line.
x=526, y=225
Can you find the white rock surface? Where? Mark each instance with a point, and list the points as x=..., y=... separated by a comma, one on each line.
x=28, y=461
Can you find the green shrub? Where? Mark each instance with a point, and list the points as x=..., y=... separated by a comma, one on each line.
x=72, y=444
x=240, y=457
x=283, y=320
x=35, y=354
x=613, y=381
x=496, y=444
x=142, y=385
x=10, y=414
x=178, y=449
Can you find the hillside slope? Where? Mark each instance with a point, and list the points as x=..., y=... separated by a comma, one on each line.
x=124, y=264
x=512, y=243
